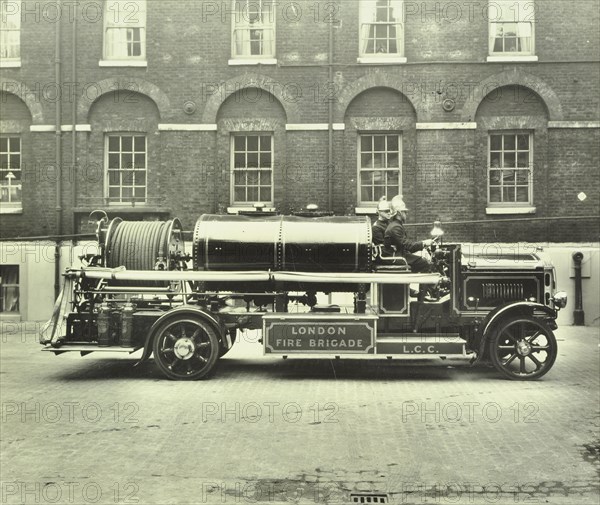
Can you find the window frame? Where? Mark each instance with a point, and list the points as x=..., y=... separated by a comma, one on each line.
x=11, y=207
x=107, y=198
x=141, y=24
x=238, y=22
x=366, y=57
x=15, y=61
x=373, y=203
x=523, y=7
x=510, y=204
x=3, y=289
x=233, y=170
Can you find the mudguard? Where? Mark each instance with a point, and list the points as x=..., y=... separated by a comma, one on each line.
x=187, y=310
x=510, y=309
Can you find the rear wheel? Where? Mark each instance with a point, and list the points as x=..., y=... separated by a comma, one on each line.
x=523, y=348
x=186, y=348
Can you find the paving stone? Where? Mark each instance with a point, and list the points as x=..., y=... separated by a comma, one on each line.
x=297, y=430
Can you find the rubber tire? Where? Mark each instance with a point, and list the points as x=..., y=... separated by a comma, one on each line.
x=497, y=335
x=162, y=363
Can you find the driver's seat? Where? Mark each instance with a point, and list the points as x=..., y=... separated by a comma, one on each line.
x=387, y=263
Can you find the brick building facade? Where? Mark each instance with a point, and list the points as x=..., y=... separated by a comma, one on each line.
x=474, y=111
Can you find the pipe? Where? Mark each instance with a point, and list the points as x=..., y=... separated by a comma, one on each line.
x=58, y=153
x=54, y=238
x=330, y=122
x=74, y=101
x=578, y=314
x=122, y=274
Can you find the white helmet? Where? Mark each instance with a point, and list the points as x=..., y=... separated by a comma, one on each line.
x=398, y=204
x=384, y=205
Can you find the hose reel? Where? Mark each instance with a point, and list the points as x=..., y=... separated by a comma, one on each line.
x=144, y=245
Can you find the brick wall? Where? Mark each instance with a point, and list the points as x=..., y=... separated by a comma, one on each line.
x=38, y=172
x=188, y=81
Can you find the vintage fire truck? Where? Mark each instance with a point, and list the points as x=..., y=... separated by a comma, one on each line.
x=272, y=273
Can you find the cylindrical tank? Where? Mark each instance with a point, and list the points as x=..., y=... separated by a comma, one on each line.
x=236, y=242
x=104, y=325
x=325, y=244
x=126, y=337
x=322, y=244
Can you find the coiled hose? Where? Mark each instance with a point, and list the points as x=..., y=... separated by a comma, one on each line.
x=143, y=245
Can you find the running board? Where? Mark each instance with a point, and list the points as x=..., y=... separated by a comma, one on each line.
x=420, y=345
x=87, y=349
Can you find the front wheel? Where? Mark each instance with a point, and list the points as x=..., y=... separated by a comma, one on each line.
x=523, y=348
x=186, y=348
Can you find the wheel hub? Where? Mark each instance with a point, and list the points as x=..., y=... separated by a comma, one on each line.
x=523, y=348
x=184, y=348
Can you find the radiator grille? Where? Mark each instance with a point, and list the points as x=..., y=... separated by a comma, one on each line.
x=499, y=288
x=507, y=291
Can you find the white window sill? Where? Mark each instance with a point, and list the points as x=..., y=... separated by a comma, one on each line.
x=252, y=61
x=381, y=60
x=123, y=63
x=510, y=210
x=126, y=205
x=237, y=209
x=10, y=210
x=511, y=58
x=365, y=211
x=10, y=63
x=10, y=316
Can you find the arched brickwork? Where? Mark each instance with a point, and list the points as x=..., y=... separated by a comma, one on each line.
x=24, y=93
x=237, y=84
x=513, y=77
x=130, y=85
x=369, y=81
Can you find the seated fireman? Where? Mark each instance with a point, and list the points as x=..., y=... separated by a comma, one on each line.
x=395, y=238
x=384, y=212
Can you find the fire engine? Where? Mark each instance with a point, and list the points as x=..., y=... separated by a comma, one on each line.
x=272, y=272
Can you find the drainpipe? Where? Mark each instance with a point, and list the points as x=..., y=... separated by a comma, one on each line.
x=578, y=314
x=330, y=122
x=74, y=102
x=58, y=148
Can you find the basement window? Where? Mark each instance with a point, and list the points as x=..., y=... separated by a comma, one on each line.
x=9, y=289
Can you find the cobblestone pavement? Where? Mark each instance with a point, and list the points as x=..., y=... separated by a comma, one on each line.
x=97, y=430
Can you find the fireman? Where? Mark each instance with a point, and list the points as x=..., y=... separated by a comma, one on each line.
x=395, y=238
x=384, y=212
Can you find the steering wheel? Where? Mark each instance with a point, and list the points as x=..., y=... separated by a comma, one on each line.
x=433, y=246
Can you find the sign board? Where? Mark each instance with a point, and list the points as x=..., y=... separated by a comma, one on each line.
x=425, y=344
x=319, y=334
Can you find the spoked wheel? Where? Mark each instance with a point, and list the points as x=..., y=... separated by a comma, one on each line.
x=523, y=349
x=186, y=348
